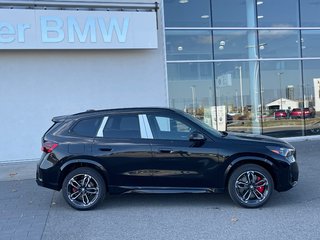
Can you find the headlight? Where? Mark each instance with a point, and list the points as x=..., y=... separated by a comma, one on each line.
x=288, y=153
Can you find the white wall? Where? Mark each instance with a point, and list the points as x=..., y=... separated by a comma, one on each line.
x=37, y=85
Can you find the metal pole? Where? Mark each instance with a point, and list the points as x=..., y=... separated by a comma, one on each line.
x=193, y=100
x=280, y=80
x=241, y=90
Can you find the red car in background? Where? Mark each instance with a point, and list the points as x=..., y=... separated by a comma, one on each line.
x=280, y=114
x=299, y=113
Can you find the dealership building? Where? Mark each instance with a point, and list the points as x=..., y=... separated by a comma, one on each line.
x=239, y=65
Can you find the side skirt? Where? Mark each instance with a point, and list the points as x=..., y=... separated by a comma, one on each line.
x=160, y=190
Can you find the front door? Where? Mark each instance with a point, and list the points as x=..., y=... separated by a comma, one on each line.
x=179, y=162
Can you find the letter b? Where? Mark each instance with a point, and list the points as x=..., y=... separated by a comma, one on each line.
x=56, y=28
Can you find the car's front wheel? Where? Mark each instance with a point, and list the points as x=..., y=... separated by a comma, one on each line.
x=83, y=188
x=250, y=186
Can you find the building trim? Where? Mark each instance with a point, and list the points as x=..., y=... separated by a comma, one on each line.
x=242, y=28
x=80, y=4
x=242, y=60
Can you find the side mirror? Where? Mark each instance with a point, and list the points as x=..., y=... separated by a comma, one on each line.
x=197, y=137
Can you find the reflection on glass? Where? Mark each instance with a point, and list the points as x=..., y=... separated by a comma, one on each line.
x=310, y=43
x=282, y=98
x=187, y=13
x=275, y=13
x=191, y=87
x=279, y=43
x=230, y=13
x=237, y=91
x=189, y=45
x=234, y=44
x=310, y=13
x=311, y=75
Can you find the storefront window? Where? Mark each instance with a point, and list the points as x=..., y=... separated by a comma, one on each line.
x=249, y=78
x=189, y=45
x=275, y=13
x=310, y=13
x=231, y=13
x=279, y=43
x=235, y=44
x=237, y=90
x=187, y=13
x=282, y=98
x=310, y=43
x=311, y=76
x=191, y=87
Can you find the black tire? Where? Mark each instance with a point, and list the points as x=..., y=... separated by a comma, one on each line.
x=250, y=186
x=84, y=188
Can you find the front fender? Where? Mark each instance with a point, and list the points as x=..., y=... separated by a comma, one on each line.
x=264, y=162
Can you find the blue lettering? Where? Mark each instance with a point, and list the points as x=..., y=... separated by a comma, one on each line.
x=114, y=25
x=56, y=25
x=21, y=32
x=74, y=29
x=6, y=32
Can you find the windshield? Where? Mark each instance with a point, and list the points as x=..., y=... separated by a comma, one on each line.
x=200, y=123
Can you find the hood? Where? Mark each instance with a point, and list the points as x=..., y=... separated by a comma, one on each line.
x=245, y=137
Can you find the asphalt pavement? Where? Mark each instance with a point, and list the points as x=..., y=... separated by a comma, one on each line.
x=28, y=211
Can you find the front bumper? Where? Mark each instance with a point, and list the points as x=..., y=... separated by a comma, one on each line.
x=288, y=177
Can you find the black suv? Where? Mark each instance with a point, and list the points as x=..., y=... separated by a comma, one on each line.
x=159, y=150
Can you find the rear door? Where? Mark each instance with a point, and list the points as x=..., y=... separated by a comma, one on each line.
x=122, y=147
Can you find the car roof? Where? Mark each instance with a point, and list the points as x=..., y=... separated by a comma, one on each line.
x=120, y=110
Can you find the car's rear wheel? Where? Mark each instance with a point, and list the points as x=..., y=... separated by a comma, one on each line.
x=83, y=188
x=250, y=186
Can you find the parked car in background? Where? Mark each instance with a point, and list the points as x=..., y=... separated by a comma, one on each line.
x=159, y=150
x=229, y=119
x=309, y=112
x=296, y=113
x=300, y=113
x=280, y=114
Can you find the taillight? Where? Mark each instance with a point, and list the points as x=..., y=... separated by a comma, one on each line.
x=48, y=147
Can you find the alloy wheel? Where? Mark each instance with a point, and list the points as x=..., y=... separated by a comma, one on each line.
x=83, y=190
x=252, y=187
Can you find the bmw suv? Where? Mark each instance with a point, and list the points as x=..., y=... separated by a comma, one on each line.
x=159, y=150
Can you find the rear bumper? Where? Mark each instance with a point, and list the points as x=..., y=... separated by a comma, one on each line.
x=47, y=177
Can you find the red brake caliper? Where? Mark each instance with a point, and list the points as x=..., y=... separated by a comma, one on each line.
x=260, y=189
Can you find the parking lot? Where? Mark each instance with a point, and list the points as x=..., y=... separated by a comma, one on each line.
x=31, y=212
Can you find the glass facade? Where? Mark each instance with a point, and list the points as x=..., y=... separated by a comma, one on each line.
x=246, y=65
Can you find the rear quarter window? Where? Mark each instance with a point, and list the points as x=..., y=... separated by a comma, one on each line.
x=86, y=127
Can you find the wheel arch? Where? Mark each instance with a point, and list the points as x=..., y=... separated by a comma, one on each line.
x=263, y=162
x=77, y=163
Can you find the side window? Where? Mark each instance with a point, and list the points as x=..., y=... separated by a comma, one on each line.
x=169, y=128
x=121, y=127
x=86, y=127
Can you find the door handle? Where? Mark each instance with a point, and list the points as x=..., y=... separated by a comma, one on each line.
x=172, y=151
x=105, y=149
x=166, y=151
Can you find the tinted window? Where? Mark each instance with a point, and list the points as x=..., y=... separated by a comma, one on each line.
x=275, y=13
x=187, y=13
x=87, y=127
x=309, y=13
x=231, y=13
x=169, y=128
x=122, y=126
